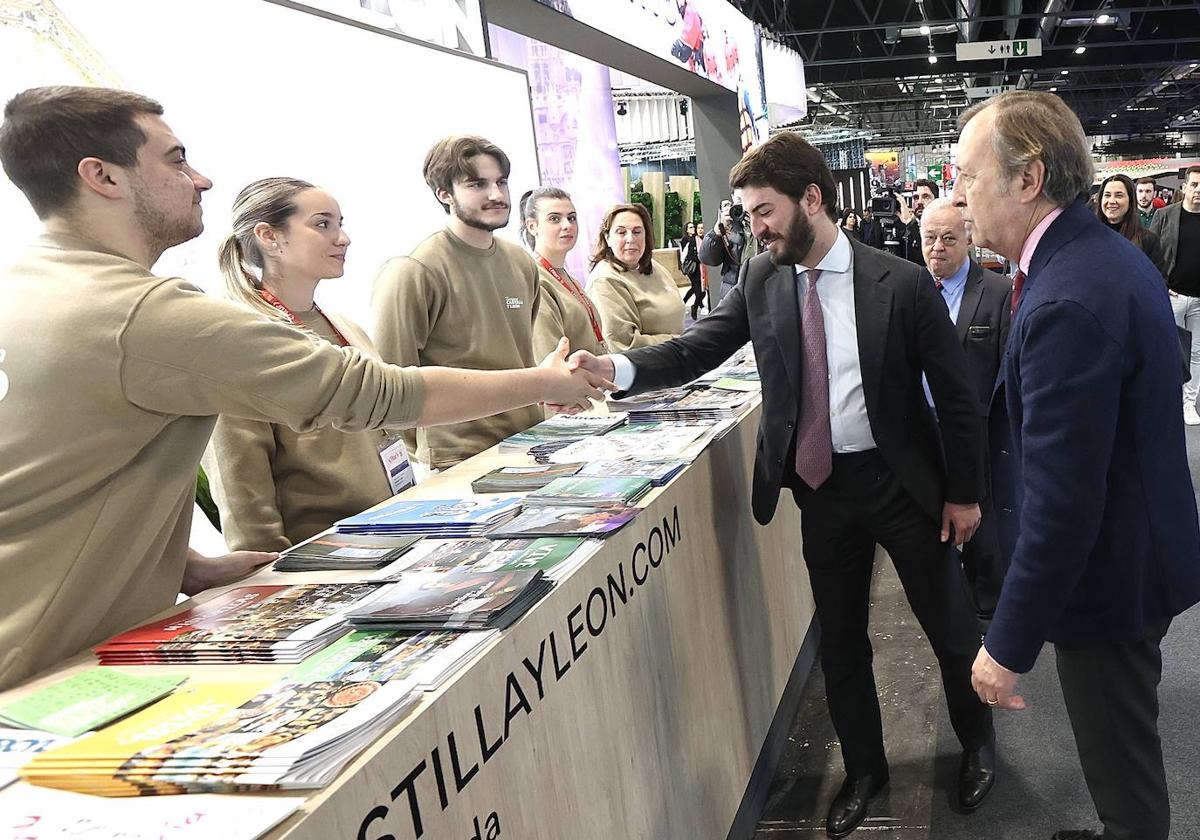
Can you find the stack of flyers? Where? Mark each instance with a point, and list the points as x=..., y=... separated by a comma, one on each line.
x=599, y=521
x=17, y=747
x=589, y=491
x=659, y=472
x=562, y=427
x=554, y=556
x=295, y=733
x=733, y=383
x=708, y=404
x=332, y=551
x=460, y=599
x=281, y=624
x=647, y=441
x=521, y=479
x=444, y=518
x=544, y=453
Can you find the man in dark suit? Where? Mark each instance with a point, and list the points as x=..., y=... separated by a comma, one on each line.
x=1178, y=230
x=979, y=302
x=841, y=333
x=1090, y=472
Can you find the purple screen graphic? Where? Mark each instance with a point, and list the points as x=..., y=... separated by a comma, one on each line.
x=575, y=131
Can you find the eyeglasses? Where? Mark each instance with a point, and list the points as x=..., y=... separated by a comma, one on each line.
x=948, y=241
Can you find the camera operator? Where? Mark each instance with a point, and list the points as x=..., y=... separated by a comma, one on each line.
x=924, y=192
x=724, y=246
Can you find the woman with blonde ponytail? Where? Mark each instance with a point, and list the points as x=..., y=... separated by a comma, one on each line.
x=274, y=486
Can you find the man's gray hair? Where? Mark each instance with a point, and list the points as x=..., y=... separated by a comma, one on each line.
x=1033, y=126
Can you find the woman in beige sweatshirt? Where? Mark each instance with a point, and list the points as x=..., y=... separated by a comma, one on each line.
x=638, y=301
x=550, y=228
x=274, y=486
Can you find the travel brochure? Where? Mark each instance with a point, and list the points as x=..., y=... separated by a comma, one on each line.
x=273, y=623
x=86, y=701
x=460, y=599
x=554, y=556
x=643, y=441
x=446, y=518
x=17, y=748
x=566, y=520
x=562, y=427
x=589, y=491
x=333, y=551
x=659, y=472
x=522, y=479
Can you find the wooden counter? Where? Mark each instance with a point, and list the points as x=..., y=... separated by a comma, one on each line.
x=633, y=701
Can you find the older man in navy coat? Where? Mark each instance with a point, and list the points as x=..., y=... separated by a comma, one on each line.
x=1090, y=474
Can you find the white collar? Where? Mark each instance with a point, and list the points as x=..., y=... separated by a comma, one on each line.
x=837, y=258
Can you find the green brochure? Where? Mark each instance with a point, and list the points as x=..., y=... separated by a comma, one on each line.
x=86, y=701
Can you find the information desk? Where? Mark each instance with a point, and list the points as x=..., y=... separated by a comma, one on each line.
x=633, y=701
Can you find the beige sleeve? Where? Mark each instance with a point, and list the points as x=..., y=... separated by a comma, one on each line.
x=620, y=319
x=238, y=462
x=548, y=325
x=401, y=317
x=186, y=353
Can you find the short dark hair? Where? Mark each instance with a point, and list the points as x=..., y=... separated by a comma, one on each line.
x=605, y=254
x=48, y=130
x=1149, y=181
x=1190, y=171
x=787, y=163
x=452, y=159
x=925, y=182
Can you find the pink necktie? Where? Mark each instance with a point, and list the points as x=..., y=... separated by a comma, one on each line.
x=1018, y=282
x=814, y=440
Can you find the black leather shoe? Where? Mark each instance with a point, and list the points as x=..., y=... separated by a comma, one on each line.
x=849, y=807
x=1079, y=834
x=976, y=775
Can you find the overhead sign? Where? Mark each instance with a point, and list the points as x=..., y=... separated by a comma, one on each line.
x=990, y=50
x=934, y=172
x=988, y=92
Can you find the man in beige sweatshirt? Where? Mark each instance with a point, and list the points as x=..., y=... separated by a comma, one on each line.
x=462, y=297
x=111, y=379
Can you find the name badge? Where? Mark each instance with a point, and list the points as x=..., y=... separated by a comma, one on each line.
x=396, y=464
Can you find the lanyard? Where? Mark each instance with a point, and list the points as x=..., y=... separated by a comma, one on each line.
x=282, y=307
x=576, y=293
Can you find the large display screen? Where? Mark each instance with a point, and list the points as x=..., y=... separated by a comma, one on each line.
x=708, y=37
x=256, y=89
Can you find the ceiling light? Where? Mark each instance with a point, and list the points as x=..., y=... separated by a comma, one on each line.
x=924, y=30
x=943, y=96
x=1194, y=65
x=1103, y=122
x=1080, y=50
x=932, y=58
x=1114, y=116
x=1054, y=90
x=1065, y=72
x=1103, y=19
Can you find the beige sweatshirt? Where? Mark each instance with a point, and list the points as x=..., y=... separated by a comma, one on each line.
x=450, y=304
x=112, y=380
x=276, y=487
x=638, y=309
x=562, y=313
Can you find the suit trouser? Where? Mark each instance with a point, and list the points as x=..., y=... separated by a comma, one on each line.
x=861, y=504
x=1187, y=315
x=1111, y=692
x=983, y=562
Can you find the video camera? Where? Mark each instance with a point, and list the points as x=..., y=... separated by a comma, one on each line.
x=886, y=209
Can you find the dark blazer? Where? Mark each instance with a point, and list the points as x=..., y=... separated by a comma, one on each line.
x=724, y=251
x=1165, y=225
x=1090, y=474
x=903, y=328
x=871, y=233
x=982, y=327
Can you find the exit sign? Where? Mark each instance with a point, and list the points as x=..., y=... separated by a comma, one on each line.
x=992, y=50
x=988, y=92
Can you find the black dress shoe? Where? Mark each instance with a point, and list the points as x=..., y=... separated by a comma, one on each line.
x=1079, y=834
x=849, y=807
x=976, y=775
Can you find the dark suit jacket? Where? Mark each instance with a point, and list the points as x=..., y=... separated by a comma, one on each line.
x=1165, y=225
x=982, y=327
x=903, y=327
x=1090, y=474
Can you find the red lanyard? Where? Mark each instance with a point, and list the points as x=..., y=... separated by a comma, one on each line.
x=282, y=307
x=577, y=293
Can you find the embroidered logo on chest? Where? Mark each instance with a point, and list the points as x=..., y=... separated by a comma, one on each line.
x=514, y=303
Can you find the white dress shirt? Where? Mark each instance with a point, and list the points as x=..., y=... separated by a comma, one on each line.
x=847, y=405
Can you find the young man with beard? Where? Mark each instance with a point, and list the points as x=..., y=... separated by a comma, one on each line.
x=925, y=192
x=462, y=297
x=842, y=332
x=111, y=379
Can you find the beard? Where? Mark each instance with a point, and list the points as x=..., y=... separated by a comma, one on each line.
x=161, y=228
x=475, y=220
x=797, y=241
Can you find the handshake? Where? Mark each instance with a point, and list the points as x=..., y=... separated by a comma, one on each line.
x=576, y=380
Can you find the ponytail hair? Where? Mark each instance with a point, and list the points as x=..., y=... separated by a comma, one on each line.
x=271, y=201
x=529, y=205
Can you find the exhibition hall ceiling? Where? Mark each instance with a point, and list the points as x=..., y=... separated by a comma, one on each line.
x=1130, y=70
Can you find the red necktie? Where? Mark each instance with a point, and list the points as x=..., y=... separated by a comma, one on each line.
x=1018, y=282
x=814, y=438
x=938, y=283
